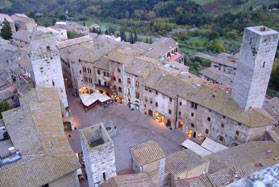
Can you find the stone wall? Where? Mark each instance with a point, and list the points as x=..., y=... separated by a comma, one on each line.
x=254, y=67
x=48, y=72
x=161, y=105
x=204, y=122
x=99, y=159
x=88, y=75
x=156, y=171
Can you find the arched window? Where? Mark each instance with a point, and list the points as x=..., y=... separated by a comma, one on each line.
x=129, y=81
x=263, y=64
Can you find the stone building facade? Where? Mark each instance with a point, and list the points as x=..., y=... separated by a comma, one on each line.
x=149, y=158
x=98, y=153
x=198, y=122
x=160, y=106
x=255, y=64
x=46, y=65
x=169, y=94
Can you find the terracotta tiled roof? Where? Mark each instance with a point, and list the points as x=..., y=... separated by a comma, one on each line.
x=36, y=130
x=182, y=161
x=174, y=57
x=130, y=180
x=242, y=161
x=223, y=59
x=218, y=76
x=147, y=152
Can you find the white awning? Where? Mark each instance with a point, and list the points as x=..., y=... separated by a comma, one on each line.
x=88, y=99
x=212, y=146
x=101, y=97
x=196, y=148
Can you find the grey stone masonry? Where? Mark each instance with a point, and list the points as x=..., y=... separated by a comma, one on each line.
x=46, y=65
x=98, y=153
x=254, y=66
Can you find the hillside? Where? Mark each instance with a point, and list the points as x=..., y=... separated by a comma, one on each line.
x=218, y=7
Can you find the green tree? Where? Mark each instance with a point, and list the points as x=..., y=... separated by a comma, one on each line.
x=274, y=79
x=131, y=38
x=135, y=37
x=146, y=40
x=4, y=106
x=216, y=46
x=150, y=40
x=123, y=35
x=213, y=35
x=6, y=31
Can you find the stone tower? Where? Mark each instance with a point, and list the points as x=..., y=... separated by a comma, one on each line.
x=46, y=65
x=98, y=154
x=254, y=66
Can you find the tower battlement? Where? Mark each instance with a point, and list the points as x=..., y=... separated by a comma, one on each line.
x=98, y=153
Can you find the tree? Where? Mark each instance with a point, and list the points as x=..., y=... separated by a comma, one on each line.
x=216, y=46
x=150, y=40
x=213, y=35
x=6, y=31
x=122, y=35
x=274, y=79
x=4, y=106
x=136, y=37
x=146, y=40
x=131, y=38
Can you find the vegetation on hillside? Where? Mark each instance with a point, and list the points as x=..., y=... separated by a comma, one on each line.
x=6, y=31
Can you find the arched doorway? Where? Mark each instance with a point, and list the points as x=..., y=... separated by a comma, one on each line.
x=150, y=113
x=180, y=125
x=168, y=123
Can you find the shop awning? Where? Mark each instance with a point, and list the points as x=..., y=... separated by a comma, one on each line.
x=88, y=99
x=101, y=97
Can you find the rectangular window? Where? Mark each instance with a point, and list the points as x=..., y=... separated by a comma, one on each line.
x=194, y=105
x=137, y=95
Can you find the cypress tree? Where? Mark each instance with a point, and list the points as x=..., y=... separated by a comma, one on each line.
x=135, y=38
x=146, y=40
x=131, y=38
x=6, y=31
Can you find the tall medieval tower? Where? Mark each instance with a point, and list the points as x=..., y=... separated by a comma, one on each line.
x=254, y=66
x=98, y=154
x=46, y=65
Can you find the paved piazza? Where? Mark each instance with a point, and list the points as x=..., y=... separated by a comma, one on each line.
x=133, y=128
